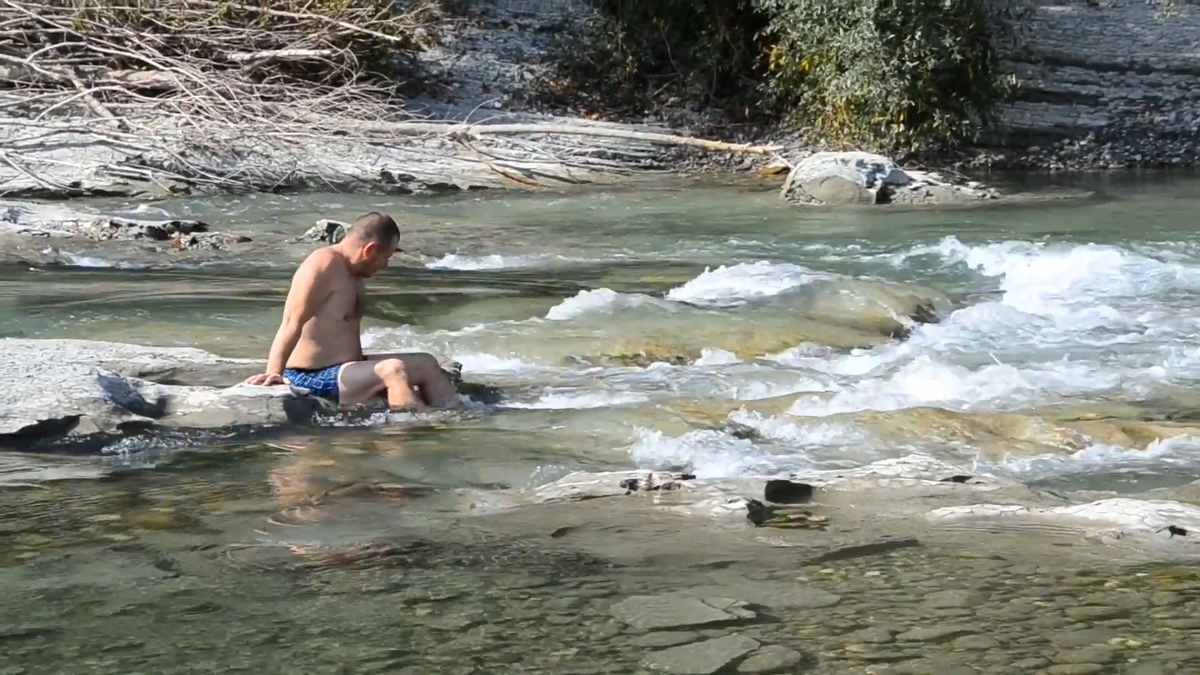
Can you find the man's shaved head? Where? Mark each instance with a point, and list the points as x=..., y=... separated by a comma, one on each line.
x=370, y=243
x=375, y=228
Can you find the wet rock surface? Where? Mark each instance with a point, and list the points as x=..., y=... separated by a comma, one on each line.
x=30, y=219
x=75, y=389
x=62, y=388
x=677, y=611
x=1101, y=85
x=701, y=658
x=865, y=179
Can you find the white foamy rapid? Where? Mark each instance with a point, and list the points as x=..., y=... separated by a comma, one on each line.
x=1048, y=323
x=739, y=283
x=1069, y=321
x=1035, y=324
x=599, y=300
x=495, y=261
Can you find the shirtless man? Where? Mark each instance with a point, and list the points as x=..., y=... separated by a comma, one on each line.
x=317, y=345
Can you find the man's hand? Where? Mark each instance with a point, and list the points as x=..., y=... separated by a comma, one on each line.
x=267, y=379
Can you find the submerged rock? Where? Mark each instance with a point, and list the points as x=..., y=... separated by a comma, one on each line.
x=701, y=658
x=838, y=178
x=771, y=659
x=676, y=610
x=1166, y=523
x=51, y=220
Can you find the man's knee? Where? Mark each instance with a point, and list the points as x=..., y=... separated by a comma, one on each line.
x=392, y=371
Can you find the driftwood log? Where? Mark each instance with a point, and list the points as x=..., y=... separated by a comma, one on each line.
x=223, y=95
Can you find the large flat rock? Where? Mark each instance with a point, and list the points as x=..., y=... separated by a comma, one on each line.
x=75, y=388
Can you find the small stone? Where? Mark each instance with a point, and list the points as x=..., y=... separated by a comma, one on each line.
x=730, y=605
x=776, y=595
x=952, y=598
x=1094, y=613
x=875, y=636
x=701, y=658
x=606, y=630
x=1082, y=638
x=1030, y=664
x=1094, y=654
x=1075, y=669
x=1179, y=624
x=980, y=642
x=1145, y=668
x=935, y=633
x=771, y=659
x=666, y=639
x=1167, y=599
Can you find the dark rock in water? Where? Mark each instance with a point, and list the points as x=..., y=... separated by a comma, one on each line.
x=787, y=492
x=328, y=231
x=756, y=512
x=774, y=516
x=925, y=313
x=956, y=479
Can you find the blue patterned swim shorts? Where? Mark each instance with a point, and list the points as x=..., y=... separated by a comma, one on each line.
x=321, y=382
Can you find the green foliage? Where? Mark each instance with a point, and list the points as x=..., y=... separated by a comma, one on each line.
x=889, y=75
x=894, y=75
x=637, y=53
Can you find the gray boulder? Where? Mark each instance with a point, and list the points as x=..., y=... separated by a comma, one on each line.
x=32, y=219
x=77, y=388
x=840, y=178
x=325, y=230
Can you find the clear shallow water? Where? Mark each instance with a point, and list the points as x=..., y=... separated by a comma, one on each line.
x=711, y=331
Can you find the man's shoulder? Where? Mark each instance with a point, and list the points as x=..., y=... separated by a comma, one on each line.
x=321, y=260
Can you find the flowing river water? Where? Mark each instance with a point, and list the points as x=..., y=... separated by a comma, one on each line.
x=712, y=331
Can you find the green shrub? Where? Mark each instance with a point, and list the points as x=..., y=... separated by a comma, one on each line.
x=888, y=75
x=893, y=75
x=639, y=54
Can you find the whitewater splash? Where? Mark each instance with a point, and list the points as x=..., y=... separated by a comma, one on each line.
x=1036, y=324
x=495, y=261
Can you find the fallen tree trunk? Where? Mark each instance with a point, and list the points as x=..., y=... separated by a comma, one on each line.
x=478, y=131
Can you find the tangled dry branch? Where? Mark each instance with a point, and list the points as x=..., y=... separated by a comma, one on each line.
x=211, y=92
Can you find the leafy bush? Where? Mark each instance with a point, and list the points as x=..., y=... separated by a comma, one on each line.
x=638, y=54
x=889, y=75
x=896, y=75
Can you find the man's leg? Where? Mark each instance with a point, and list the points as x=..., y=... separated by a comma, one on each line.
x=399, y=375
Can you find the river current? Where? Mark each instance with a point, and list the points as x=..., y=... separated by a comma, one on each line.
x=712, y=331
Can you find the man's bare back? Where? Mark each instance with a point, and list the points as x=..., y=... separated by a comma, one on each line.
x=318, y=346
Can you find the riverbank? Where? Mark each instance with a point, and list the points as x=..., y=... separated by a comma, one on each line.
x=1081, y=104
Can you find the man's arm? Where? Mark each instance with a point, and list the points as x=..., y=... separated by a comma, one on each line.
x=308, y=292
